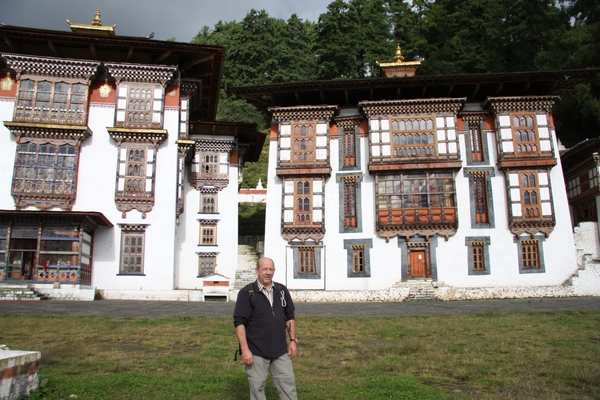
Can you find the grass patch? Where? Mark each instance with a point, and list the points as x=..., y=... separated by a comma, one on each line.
x=478, y=356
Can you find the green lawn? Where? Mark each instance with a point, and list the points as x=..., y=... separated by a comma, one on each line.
x=552, y=355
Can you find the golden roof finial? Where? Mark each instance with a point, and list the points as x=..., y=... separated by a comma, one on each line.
x=398, y=57
x=95, y=28
x=398, y=67
x=96, y=21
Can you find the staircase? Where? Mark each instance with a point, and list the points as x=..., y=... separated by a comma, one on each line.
x=421, y=292
x=246, y=266
x=19, y=293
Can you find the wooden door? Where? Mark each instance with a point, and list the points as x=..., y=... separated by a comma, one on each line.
x=418, y=264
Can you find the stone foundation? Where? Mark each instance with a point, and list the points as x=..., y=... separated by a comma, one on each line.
x=19, y=373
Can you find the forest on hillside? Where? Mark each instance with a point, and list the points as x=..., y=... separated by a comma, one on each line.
x=450, y=36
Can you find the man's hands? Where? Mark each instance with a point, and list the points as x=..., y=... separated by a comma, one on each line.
x=247, y=356
x=292, y=350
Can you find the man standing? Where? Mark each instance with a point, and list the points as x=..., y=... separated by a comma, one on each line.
x=264, y=310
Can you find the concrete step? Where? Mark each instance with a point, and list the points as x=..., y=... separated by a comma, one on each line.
x=422, y=295
x=19, y=293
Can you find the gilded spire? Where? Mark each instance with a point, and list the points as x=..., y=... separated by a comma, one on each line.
x=397, y=58
x=95, y=28
x=97, y=22
x=398, y=67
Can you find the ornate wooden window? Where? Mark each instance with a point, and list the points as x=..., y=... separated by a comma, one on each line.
x=530, y=254
x=136, y=163
x=530, y=201
x=530, y=195
x=48, y=101
x=413, y=137
x=307, y=264
x=303, y=143
x=209, y=165
x=139, y=105
x=477, y=256
x=302, y=201
x=350, y=203
x=208, y=202
x=133, y=240
x=349, y=143
x=135, y=176
x=481, y=199
x=207, y=264
x=208, y=233
x=583, y=183
x=416, y=199
x=525, y=133
x=478, y=253
x=358, y=259
x=476, y=142
x=585, y=211
x=45, y=169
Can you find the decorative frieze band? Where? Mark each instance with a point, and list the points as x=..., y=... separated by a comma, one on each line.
x=349, y=124
x=474, y=119
x=49, y=131
x=141, y=73
x=154, y=136
x=134, y=227
x=531, y=103
x=224, y=146
x=50, y=66
x=303, y=113
x=417, y=106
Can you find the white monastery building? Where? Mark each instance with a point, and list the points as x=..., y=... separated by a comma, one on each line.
x=116, y=178
x=407, y=186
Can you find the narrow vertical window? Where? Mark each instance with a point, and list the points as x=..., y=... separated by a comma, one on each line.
x=530, y=254
x=135, y=176
x=476, y=143
x=481, y=199
x=349, y=203
x=307, y=260
x=303, y=202
x=477, y=256
x=358, y=259
x=132, y=252
x=349, y=149
x=303, y=143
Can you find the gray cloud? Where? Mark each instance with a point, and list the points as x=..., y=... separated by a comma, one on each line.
x=181, y=19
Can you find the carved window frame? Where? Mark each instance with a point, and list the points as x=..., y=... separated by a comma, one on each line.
x=132, y=250
x=140, y=105
x=307, y=260
x=45, y=99
x=207, y=235
x=303, y=202
x=481, y=196
x=207, y=264
x=530, y=195
x=479, y=256
x=209, y=202
x=402, y=199
x=413, y=137
x=358, y=257
x=44, y=167
x=531, y=255
x=304, y=142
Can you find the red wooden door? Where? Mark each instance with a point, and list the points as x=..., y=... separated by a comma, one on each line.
x=418, y=267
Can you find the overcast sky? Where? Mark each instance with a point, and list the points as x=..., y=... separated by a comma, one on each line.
x=181, y=19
